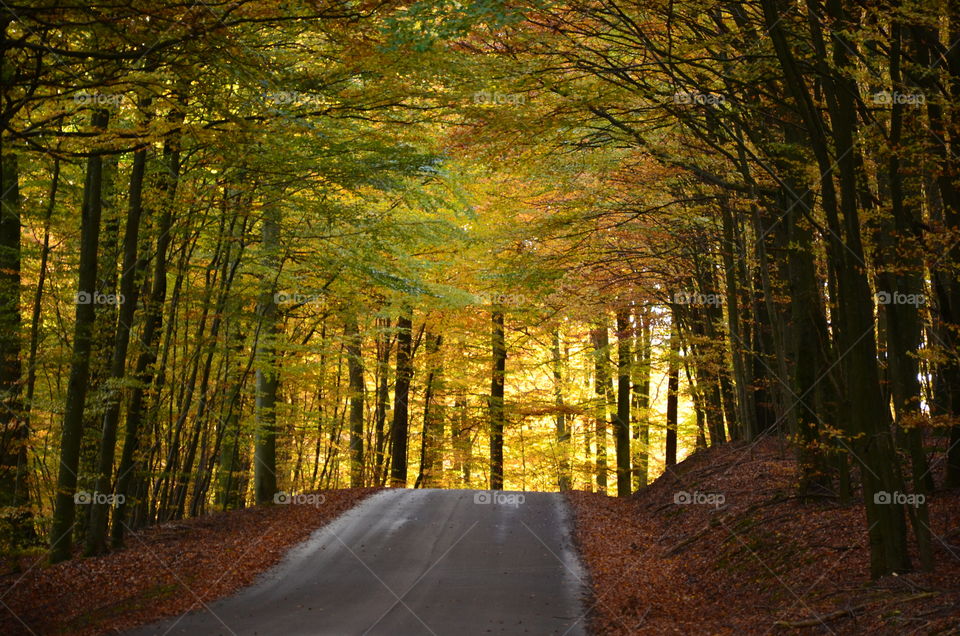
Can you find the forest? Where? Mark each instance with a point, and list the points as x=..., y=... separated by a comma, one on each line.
x=256, y=249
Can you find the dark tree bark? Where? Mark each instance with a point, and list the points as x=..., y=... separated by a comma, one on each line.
x=855, y=334
x=621, y=427
x=61, y=534
x=14, y=423
x=499, y=350
x=401, y=396
x=149, y=336
x=673, y=385
x=132, y=271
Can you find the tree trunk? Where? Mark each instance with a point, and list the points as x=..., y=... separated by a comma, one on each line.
x=384, y=346
x=61, y=534
x=351, y=332
x=622, y=423
x=563, y=432
x=14, y=425
x=601, y=388
x=641, y=399
x=129, y=284
x=673, y=384
x=267, y=371
x=401, y=396
x=499, y=350
x=431, y=442
x=149, y=339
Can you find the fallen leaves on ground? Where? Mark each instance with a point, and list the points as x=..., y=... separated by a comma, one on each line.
x=165, y=570
x=761, y=562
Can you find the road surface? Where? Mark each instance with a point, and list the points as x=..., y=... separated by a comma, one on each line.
x=431, y=562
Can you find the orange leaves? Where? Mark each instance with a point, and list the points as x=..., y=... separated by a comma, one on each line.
x=165, y=570
x=762, y=560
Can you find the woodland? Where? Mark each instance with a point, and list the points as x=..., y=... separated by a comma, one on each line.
x=252, y=249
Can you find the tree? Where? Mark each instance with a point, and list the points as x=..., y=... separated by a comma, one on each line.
x=268, y=383
x=357, y=389
x=61, y=535
x=400, y=425
x=498, y=377
x=621, y=425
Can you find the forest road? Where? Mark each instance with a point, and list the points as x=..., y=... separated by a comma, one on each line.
x=432, y=562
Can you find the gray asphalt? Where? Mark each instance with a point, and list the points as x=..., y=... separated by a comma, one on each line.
x=432, y=562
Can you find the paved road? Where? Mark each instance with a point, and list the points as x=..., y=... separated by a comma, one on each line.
x=431, y=562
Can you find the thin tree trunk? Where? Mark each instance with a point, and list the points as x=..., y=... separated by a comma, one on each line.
x=563, y=432
x=357, y=390
x=601, y=389
x=431, y=456
x=673, y=385
x=499, y=351
x=384, y=346
x=267, y=371
x=401, y=396
x=641, y=399
x=621, y=427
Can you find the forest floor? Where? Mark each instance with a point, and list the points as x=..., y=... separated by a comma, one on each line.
x=164, y=571
x=759, y=561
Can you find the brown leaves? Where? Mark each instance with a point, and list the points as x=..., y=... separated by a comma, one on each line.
x=761, y=562
x=165, y=570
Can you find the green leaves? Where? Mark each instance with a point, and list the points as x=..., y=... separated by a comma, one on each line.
x=426, y=23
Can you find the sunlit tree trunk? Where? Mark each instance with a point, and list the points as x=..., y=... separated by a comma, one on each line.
x=267, y=373
x=641, y=398
x=563, y=431
x=601, y=390
x=351, y=333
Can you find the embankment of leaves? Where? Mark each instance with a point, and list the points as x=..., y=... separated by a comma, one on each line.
x=762, y=562
x=165, y=570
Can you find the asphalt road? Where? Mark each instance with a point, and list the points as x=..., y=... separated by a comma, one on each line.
x=431, y=562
